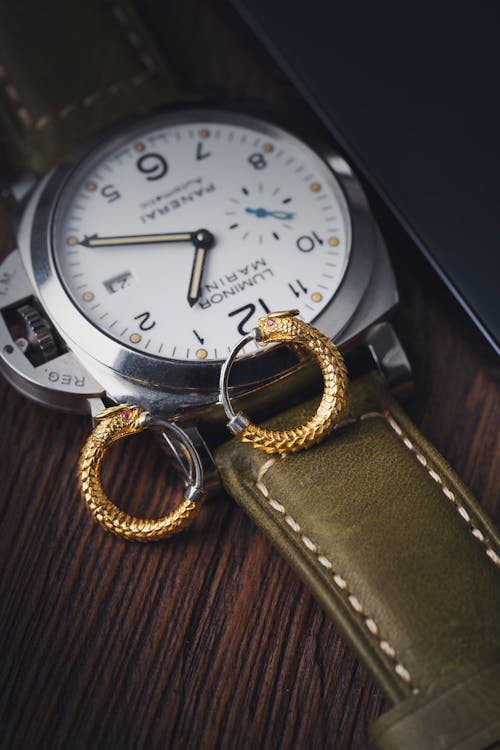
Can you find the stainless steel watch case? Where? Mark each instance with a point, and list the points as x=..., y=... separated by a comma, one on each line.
x=95, y=365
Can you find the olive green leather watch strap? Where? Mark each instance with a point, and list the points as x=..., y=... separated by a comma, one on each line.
x=70, y=69
x=397, y=551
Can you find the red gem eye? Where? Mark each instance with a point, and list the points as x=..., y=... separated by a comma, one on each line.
x=271, y=322
x=126, y=414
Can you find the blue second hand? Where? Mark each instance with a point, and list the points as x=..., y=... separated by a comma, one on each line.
x=263, y=212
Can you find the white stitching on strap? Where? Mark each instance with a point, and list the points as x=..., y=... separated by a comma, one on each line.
x=338, y=580
x=476, y=533
x=88, y=101
x=15, y=99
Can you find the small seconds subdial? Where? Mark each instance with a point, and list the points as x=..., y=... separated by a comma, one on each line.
x=175, y=237
x=249, y=206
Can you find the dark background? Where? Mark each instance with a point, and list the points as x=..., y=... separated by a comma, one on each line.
x=207, y=640
x=409, y=91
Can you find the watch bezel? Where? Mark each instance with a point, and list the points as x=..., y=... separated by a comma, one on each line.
x=85, y=338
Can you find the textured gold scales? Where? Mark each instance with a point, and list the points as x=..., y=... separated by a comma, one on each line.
x=113, y=425
x=286, y=328
x=120, y=421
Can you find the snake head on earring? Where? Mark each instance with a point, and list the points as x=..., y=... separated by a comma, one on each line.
x=124, y=419
x=287, y=328
x=275, y=325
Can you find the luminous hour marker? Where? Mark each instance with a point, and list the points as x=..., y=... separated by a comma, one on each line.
x=268, y=147
x=315, y=186
x=204, y=133
x=316, y=296
x=88, y=296
x=333, y=241
x=72, y=240
x=91, y=186
x=139, y=147
x=135, y=338
x=202, y=353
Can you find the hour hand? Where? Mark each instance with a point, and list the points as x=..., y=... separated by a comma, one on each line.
x=203, y=240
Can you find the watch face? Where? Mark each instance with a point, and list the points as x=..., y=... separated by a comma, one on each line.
x=174, y=237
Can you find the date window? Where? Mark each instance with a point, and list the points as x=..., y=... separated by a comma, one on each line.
x=117, y=283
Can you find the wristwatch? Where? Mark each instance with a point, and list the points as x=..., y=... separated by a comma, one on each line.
x=143, y=257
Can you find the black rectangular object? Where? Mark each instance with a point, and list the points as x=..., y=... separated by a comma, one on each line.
x=410, y=92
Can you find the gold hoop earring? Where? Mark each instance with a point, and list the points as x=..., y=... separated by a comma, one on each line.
x=285, y=327
x=115, y=424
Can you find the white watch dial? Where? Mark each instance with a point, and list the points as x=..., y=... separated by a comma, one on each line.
x=277, y=233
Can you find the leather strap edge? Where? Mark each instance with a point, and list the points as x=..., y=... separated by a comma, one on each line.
x=463, y=713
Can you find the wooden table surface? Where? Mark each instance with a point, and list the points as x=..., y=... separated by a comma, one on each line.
x=207, y=640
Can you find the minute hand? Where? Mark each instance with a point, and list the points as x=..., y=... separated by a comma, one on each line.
x=140, y=239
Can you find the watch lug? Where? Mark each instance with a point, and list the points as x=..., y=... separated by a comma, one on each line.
x=380, y=297
x=95, y=406
x=21, y=188
x=390, y=358
x=16, y=194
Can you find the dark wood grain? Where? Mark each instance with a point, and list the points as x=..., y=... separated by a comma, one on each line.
x=207, y=640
